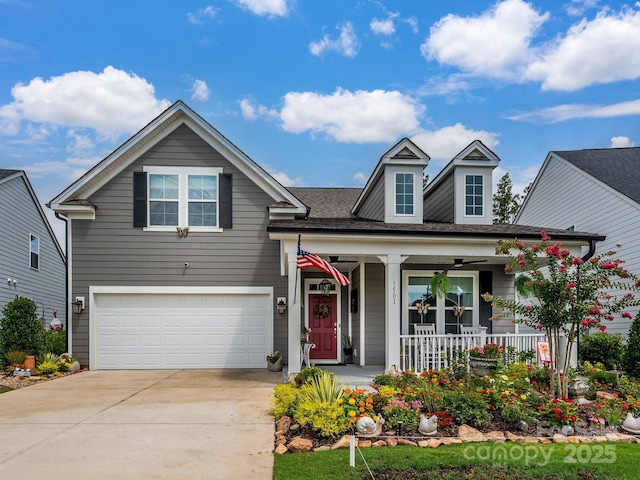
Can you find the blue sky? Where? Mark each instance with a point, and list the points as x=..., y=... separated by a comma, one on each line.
x=317, y=91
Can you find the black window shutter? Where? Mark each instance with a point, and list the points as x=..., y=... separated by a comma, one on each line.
x=140, y=199
x=226, y=206
x=485, y=282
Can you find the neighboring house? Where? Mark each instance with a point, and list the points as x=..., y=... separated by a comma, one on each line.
x=32, y=264
x=182, y=248
x=595, y=190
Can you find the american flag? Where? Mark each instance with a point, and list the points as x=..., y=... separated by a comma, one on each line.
x=310, y=260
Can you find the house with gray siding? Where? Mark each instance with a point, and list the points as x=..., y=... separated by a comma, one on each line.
x=32, y=263
x=596, y=190
x=183, y=254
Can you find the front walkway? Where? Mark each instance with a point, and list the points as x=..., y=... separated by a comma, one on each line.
x=163, y=424
x=351, y=375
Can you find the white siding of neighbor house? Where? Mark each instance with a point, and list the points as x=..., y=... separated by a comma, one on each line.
x=565, y=196
x=373, y=207
x=20, y=218
x=110, y=251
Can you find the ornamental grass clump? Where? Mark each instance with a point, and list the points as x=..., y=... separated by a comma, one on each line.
x=564, y=293
x=318, y=406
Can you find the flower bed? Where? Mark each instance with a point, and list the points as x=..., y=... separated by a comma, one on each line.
x=515, y=399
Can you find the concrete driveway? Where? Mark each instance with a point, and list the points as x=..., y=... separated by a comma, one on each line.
x=200, y=424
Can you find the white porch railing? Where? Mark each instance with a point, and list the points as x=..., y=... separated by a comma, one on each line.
x=433, y=352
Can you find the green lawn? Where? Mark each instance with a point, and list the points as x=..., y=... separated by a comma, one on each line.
x=4, y=389
x=482, y=461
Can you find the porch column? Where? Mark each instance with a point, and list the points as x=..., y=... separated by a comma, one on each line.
x=393, y=308
x=293, y=315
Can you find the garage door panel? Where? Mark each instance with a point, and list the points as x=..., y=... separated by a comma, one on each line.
x=134, y=331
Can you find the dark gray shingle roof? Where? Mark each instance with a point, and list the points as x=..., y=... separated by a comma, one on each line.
x=6, y=173
x=328, y=202
x=617, y=167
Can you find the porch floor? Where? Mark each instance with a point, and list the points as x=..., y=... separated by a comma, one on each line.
x=351, y=375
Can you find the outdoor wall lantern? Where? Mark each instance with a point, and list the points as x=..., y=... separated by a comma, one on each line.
x=78, y=305
x=325, y=287
x=282, y=305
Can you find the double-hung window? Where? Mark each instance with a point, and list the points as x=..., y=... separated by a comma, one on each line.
x=183, y=197
x=34, y=252
x=474, y=196
x=404, y=193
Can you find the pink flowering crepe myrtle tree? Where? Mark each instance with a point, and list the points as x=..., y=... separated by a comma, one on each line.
x=564, y=294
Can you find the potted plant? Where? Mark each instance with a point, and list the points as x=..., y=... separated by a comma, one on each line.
x=274, y=362
x=483, y=360
x=440, y=285
x=347, y=348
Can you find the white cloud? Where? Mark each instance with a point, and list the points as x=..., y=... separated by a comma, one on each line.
x=561, y=113
x=442, y=145
x=621, y=142
x=285, y=180
x=199, y=16
x=200, y=91
x=270, y=8
x=491, y=44
x=383, y=27
x=520, y=177
x=578, y=7
x=251, y=112
x=347, y=43
x=499, y=44
x=360, y=178
x=79, y=143
x=112, y=102
x=412, y=22
x=356, y=117
x=604, y=50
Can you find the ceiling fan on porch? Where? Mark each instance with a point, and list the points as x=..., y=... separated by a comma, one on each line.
x=336, y=259
x=459, y=262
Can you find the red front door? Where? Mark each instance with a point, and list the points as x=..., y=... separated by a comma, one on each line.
x=323, y=322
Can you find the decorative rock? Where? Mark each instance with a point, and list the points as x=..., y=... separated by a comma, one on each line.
x=281, y=440
x=74, y=367
x=364, y=443
x=544, y=440
x=282, y=425
x=495, y=436
x=299, y=444
x=379, y=443
x=557, y=438
x=409, y=443
x=366, y=427
x=392, y=442
x=567, y=430
x=281, y=449
x=431, y=443
x=599, y=438
x=620, y=437
x=523, y=426
x=513, y=437
x=323, y=448
x=428, y=425
x=344, y=442
x=585, y=440
x=470, y=434
x=450, y=440
x=631, y=424
x=294, y=427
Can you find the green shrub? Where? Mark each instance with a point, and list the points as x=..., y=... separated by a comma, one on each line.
x=285, y=400
x=631, y=358
x=55, y=341
x=515, y=412
x=602, y=347
x=21, y=329
x=467, y=407
x=307, y=374
x=541, y=377
x=327, y=419
x=402, y=414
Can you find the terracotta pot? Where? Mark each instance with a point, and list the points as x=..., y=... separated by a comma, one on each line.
x=30, y=363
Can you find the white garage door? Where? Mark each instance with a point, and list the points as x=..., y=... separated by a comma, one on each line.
x=181, y=330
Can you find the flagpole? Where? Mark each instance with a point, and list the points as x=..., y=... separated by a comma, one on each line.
x=295, y=293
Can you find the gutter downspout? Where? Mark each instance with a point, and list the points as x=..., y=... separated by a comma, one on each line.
x=67, y=288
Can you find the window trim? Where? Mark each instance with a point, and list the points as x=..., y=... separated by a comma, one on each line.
x=395, y=195
x=481, y=196
x=440, y=307
x=183, y=174
x=31, y=252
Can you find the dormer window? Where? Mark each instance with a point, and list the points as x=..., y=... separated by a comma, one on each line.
x=404, y=194
x=473, y=195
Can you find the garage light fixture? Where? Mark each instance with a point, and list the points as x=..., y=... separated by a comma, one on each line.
x=282, y=305
x=78, y=305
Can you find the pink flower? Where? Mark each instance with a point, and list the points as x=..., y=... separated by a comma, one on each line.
x=522, y=262
x=603, y=328
x=609, y=265
x=585, y=323
x=572, y=297
x=626, y=315
x=577, y=261
x=570, y=285
x=563, y=269
x=629, y=296
x=519, y=244
x=610, y=318
x=528, y=307
x=544, y=236
x=539, y=326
